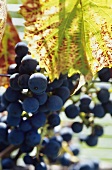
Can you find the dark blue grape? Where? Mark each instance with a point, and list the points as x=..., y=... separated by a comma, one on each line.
x=30, y=104
x=65, y=160
x=7, y=163
x=14, y=81
x=11, y=95
x=53, y=160
x=86, y=165
x=84, y=108
x=42, y=98
x=16, y=137
x=85, y=99
x=72, y=81
x=43, y=108
x=3, y=132
x=4, y=101
x=54, y=120
x=71, y=86
x=32, y=138
x=77, y=127
x=72, y=111
x=57, y=138
x=38, y=120
x=24, y=148
x=62, y=92
x=98, y=130
x=51, y=149
x=13, y=121
x=15, y=109
x=54, y=103
x=96, y=164
x=104, y=74
x=91, y=140
x=65, y=83
x=66, y=133
x=23, y=81
x=28, y=159
x=28, y=65
x=2, y=107
x=75, y=149
x=62, y=76
x=18, y=61
x=108, y=107
x=25, y=125
x=103, y=95
x=54, y=85
x=37, y=83
x=21, y=49
x=12, y=69
x=98, y=111
x=40, y=166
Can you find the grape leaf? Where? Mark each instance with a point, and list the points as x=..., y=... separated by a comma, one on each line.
x=7, y=53
x=3, y=16
x=69, y=36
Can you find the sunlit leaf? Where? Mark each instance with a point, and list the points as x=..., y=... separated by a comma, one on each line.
x=69, y=36
x=7, y=53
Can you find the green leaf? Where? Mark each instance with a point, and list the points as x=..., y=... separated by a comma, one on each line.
x=69, y=36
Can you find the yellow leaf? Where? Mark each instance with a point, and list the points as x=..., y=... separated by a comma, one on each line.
x=69, y=36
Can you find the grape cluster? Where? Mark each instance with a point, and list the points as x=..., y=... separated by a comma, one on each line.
x=32, y=107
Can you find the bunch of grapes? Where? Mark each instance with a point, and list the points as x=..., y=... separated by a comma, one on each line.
x=31, y=108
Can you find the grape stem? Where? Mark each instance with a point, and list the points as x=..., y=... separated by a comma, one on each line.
x=66, y=149
x=7, y=151
x=85, y=121
x=43, y=133
x=5, y=75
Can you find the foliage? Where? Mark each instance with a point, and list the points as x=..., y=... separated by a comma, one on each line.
x=69, y=36
x=7, y=53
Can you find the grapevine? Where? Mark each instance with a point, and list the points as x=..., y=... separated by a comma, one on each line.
x=40, y=89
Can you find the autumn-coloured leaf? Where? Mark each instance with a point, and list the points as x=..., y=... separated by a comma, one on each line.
x=7, y=53
x=3, y=16
x=69, y=36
